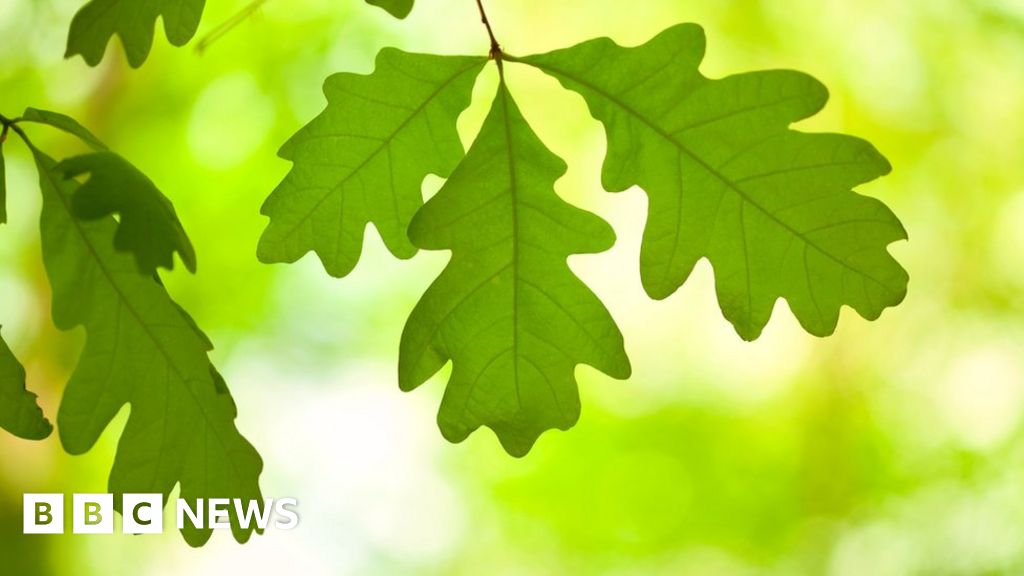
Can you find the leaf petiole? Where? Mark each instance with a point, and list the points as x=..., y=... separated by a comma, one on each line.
x=12, y=124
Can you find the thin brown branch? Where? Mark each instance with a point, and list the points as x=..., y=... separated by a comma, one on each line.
x=11, y=124
x=495, y=46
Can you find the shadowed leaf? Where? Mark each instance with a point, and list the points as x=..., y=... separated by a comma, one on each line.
x=141, y=349
x=19, y=413
x=65, y=123
x=134, y=21
x=397, y=8
x=3, y=186
x=148, y=226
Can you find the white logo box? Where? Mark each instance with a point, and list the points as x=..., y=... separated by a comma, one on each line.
x=143, y=513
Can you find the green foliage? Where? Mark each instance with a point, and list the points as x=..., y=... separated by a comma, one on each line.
x=134, y=21
x=3, y=186
x=141, y=348
x=147, y=226
x=507, y=310
x=64, y=123
x=397, y=8
x=770, y=207
x=365, y=157
x=19, y=413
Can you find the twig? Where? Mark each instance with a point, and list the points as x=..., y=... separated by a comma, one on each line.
x=11, y=124
x=495, y=53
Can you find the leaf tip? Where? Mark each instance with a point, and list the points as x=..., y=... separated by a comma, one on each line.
x=189, y=260
x=623, y=370
x=519, y=444
x=657, y=289
x=747, y=334
x=406, y=383
x=74, y=444
x=517, y=450
x=196, y=538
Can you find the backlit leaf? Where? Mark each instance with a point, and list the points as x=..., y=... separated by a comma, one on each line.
x=770, y=207
x=365, y=157
x=64, y=123
x=147, y=226
x=134, y=21
x=143, y=350
x=508, y=311
x=3, y=186
x=397, y=8
x=19, y=413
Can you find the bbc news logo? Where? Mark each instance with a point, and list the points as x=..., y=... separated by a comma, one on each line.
x=143, y=513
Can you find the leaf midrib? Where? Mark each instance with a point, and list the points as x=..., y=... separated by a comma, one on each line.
x=135, y=314
x=384, y=144
x=503, y=89
x=710, y=169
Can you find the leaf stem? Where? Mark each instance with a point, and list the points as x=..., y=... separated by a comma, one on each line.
x=11, y=124
x=7, y=125
x=495, y=52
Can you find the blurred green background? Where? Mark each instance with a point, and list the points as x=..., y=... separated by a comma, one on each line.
x=893, y=447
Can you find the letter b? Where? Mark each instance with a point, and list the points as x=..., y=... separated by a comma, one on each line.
x=43, y=514
x=93, y=513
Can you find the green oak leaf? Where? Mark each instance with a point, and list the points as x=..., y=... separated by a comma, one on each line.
x=19, y=413
x=64, y=123
x=771, y=208
x=134, y=21
x=148, y=226
x=141, y=349
x=3, y=186
x=397, y=8
x=508, y=311
x=365, y=157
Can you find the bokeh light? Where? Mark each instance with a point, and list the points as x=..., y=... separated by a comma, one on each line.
x=893, y=447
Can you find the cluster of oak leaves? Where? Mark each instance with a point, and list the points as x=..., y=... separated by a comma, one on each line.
x=773, y=210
